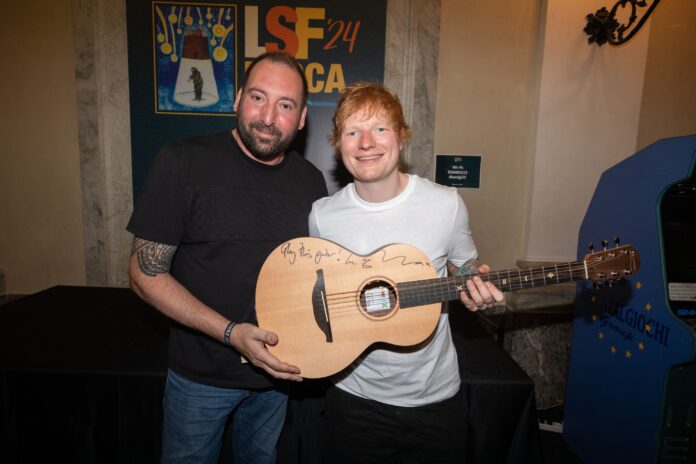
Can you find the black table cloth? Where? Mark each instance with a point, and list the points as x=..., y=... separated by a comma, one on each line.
x=82, y=371
x=503, y=425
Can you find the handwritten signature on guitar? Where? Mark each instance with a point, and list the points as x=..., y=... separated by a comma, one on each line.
x=292, y=251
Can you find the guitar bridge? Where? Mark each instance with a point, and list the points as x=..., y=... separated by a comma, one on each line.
x=321, y=307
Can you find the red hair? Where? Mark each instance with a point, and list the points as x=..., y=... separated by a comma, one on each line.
x=369, y=98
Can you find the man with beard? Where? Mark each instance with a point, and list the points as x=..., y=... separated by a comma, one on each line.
x=210, y=211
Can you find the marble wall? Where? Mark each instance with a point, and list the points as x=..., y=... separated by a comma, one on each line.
x=413, y=31
x=535, y=328
x=104, y=136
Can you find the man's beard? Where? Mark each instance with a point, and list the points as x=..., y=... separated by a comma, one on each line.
x=262, y=149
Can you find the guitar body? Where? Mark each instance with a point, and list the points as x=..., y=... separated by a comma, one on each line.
x=328, y=305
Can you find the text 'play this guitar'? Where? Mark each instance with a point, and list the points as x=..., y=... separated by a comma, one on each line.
x=328, y=305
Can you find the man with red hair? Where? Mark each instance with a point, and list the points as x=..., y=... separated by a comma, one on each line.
x=396, y=404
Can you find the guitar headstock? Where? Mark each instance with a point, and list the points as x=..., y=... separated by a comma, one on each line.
x=613, y=263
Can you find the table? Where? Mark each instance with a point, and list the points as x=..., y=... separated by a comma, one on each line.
x=82, y=370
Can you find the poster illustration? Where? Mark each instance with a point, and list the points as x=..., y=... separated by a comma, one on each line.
x=195, y=57
x=187, y=61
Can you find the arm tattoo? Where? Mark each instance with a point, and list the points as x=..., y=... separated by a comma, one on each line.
x=468, y=268
x=153, y=258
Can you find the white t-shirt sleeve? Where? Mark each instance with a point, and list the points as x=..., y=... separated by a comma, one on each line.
x=461, y=246
x=313, y=226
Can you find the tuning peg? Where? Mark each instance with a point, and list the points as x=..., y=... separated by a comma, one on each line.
x=610, y=283
x=590, y=246
x=604, y=244
x=597, y=285
x=617, y=240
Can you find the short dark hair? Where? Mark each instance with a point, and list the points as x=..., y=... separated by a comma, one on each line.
x=286, y=60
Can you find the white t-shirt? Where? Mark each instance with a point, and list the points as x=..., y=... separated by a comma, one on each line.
x=434, y=219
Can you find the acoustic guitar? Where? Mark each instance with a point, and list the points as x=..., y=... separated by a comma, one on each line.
x=328, y=304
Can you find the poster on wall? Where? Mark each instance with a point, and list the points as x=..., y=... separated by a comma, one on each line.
x=195, y=58
x=186, y=61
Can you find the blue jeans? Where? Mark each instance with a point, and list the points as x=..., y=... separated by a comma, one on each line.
x=195, y=416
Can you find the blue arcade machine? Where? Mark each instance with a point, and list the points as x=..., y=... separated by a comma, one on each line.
x=631, y=392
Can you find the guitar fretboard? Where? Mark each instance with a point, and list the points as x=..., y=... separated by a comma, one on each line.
x=423, y=292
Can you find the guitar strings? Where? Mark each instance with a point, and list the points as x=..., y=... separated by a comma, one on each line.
x=345, y=302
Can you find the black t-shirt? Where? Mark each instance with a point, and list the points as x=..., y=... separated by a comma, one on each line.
x=226, y=212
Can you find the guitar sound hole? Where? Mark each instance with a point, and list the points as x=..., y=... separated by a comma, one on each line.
x=378, y=298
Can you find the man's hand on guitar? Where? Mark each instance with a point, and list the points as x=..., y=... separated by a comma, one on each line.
x=480, y=295
x=251, y=342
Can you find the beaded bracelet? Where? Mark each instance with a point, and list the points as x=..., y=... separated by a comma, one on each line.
x=228, y=332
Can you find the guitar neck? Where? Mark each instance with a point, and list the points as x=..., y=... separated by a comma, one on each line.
x=423, y=292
